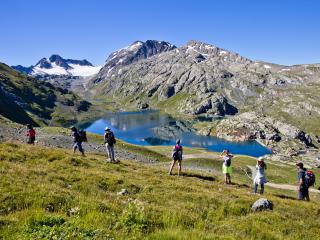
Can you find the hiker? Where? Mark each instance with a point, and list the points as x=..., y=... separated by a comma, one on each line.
x=77, y=140
x=109, y=141
x=176, y=156
x=226, y=166
x=260, y=178
x=303, y=190
x=31, y=134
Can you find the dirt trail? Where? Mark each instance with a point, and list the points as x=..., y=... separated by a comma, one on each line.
x=200, y=155
x=279, y=186
x=253, y=172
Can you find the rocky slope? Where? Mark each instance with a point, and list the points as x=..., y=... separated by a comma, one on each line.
x=135, y=52
x=199, y=78
x=24, y=99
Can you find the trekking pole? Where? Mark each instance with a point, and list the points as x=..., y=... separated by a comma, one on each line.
x=246, y=173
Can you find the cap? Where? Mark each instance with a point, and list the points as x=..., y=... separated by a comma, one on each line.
x=107, y=128
x=299, y=164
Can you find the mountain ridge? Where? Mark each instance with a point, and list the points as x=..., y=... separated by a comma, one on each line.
x=57, y=65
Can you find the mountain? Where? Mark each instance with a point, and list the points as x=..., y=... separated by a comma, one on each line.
x=282, y=102
x=24, y=99
x=135, y=52
x=58, y=66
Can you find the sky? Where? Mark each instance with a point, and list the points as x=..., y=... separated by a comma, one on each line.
x=279, y=31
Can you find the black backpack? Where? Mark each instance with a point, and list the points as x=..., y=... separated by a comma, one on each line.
x=228, y=161
x=83, y=136
x=110, y=138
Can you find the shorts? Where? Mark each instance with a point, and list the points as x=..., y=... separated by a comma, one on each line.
x=226, y=169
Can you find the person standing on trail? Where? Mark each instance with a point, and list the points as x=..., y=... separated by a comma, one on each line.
x=31, y=134
x=176, y=157
x=77, y=140
x=109, y=141
x=303, y=190
x=226, y=166
x=260, y=178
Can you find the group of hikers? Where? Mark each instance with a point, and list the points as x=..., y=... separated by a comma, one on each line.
x=80, y=136
x=306, y=178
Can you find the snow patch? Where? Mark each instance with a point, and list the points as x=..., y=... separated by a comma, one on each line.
x=109, y=71
x=120, y=61
x=75, y=70
x=209, y=47
x=267, y=66
x=83, y=71
x=222, y=53
x=134, y=46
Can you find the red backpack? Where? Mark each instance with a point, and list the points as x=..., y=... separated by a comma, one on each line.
x=310, y=178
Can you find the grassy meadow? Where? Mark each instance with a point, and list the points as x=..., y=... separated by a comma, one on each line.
x=53, y=194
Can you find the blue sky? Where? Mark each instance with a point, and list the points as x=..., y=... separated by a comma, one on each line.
x=279, y=31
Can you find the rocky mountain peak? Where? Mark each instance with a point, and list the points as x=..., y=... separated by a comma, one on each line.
x=44, y=63
x=135, y=52
x=59, y=61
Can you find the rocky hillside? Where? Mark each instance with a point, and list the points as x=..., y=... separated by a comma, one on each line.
x=199, y=78
x=207, y=79
x=24, y=99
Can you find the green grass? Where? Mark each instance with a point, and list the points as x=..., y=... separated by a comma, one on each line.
x=53, y=194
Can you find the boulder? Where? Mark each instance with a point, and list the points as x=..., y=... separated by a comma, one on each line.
x=123, y=192
x=261, y=205
x=143, y=106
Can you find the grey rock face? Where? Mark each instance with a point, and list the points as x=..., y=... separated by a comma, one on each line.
x=206, y=78
x=135, y=52
x=262, y=204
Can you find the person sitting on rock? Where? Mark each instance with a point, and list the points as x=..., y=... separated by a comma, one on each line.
x=31, y=134
x=77, y=141
x=176, y=157
x=260, y=178
x=226, y=166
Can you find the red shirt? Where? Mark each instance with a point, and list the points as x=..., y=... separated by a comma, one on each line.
x=31, y=133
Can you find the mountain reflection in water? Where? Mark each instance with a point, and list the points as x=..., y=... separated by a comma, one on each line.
x=155, y=128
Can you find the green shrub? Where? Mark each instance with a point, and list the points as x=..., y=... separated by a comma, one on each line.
x=132, y=219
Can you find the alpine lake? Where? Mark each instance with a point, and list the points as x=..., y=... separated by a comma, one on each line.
x=153, y=128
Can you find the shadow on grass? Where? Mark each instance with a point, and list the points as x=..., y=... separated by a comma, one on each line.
x=285, y=197
x=240, y=185
x=194, y=175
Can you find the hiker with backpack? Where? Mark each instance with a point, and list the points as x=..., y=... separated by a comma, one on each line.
x=306, y=179
x=109, y=141
x=31, y=134
x=226, y=166
x=78, y=138
x=260, y=178
x=176, y=157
